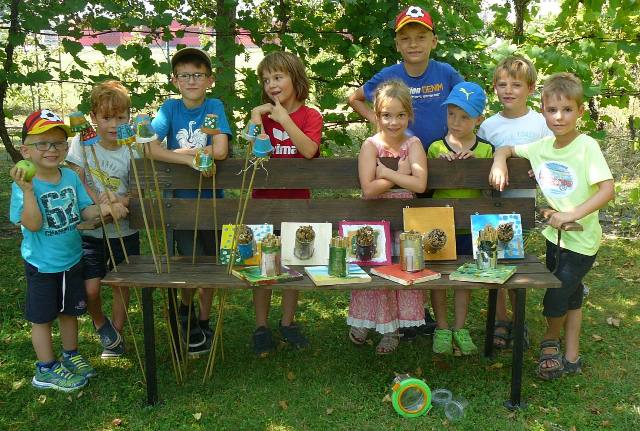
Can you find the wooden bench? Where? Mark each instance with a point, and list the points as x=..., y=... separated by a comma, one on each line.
x=336, y=175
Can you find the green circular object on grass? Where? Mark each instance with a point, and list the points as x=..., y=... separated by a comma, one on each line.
x=411, y=398
x=29, y=169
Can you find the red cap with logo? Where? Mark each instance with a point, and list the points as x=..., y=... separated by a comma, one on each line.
x=40, y=121
x=414, y=14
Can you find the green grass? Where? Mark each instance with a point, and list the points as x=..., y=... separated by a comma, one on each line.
x=334, y=385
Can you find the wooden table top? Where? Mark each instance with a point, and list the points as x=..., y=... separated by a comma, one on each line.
x=141, y=272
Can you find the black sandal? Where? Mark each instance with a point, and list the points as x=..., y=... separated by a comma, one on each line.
x=572, y=367
x=263, y=342
x=502, y=340
x=555, y=371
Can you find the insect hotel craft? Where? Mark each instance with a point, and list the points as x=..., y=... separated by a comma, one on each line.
x=305, y=243
x=437, y=226
x=370, y=242
x=508, y=227
x=249, y=243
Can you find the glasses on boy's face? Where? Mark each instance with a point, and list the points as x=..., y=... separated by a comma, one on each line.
x=186, y=77
x=46, y=146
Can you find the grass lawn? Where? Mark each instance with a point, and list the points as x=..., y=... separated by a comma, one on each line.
x=333, y=385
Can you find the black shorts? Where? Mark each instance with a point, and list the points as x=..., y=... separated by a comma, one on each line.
x=50, y=294
x=96, y=254
x=571, y=270
x=205, y=242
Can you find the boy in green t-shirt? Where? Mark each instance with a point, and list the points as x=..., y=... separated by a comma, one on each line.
x=576, y=181
x=465, y=105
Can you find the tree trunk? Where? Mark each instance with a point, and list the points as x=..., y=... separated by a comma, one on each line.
x=4, y=83
x=520, y=7
x=225, y=30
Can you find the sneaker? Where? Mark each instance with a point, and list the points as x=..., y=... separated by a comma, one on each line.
x=196, y=335
x=263, y=343
x=291, y=334
x=443, y=341
x=408, y=334
x=58, y=378
x=463, y=341
x=113, y=352
x=77, y=364
x=205, y=347
x=110, y=338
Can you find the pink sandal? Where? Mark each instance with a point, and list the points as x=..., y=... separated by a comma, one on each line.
x=388, y=344
x=358, y=336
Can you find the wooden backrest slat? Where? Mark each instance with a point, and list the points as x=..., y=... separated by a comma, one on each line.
x=329, y=174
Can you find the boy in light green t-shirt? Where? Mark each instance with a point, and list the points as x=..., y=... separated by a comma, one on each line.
x=465, y=105
x=576, y=181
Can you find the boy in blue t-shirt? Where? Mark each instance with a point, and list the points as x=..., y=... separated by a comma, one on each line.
x=48, y=206
x=429, y=81
x=179, y=121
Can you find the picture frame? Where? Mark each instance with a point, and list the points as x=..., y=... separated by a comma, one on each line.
x=381, y=255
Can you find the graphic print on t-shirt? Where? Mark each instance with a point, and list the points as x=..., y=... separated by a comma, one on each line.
x=556, y=179
x=281, y=148
x=60, y=211
x=191, y=138
x=426, y=91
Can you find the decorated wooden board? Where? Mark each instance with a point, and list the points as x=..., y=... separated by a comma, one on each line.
x=508, y=225
x=424, y=220
x=381, y=252
x=314, y=253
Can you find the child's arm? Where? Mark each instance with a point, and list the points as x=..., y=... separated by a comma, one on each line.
x=367, y=165
x=499, y=174
x=304, y=144
x=31, y=217
x=219, y=148
x=158, y=152
x=80, y=171
x=93, y=211
x=412, y=177
x=605, y=193
x=358, y=102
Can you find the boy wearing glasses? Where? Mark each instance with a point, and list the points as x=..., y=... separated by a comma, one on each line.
x=48, y=208
x=179, y=121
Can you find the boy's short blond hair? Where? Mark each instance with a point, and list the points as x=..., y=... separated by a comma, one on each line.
x=280, y=61
x=393, y=89
x=563, y=84
x=110, y=98
x=516, y=67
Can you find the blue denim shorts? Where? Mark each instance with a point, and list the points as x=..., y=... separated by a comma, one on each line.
x=571, y=270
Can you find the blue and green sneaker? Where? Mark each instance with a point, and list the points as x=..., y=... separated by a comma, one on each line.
x=77, y=364
x=58, y=378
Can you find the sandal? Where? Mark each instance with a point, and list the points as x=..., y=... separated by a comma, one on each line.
x=388, y=344
x=263, y=343
x=572, y=367
x=502, y=334
x=554, y=371
x=358, y=336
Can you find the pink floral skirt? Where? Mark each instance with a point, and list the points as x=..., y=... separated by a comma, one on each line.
x=386, y=310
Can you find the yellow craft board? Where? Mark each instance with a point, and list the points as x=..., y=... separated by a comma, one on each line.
x=424, y=219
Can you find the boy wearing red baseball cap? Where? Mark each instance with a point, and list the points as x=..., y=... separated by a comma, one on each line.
x=48, y=207
x=429, y=81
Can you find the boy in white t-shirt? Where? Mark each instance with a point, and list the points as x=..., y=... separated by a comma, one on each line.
x=576, y=181
x=514, y=80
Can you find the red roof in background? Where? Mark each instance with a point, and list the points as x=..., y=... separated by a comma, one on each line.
x=189, y=39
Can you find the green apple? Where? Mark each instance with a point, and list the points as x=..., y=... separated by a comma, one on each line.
x=28, y=167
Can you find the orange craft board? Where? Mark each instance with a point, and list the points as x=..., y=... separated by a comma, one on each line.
x=424, y=219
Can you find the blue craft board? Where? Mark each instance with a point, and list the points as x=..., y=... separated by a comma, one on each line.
x=514, y=249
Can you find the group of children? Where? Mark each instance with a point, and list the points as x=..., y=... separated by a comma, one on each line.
x=421, y=109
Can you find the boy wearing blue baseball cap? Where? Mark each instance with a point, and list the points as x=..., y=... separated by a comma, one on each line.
x=465, y=105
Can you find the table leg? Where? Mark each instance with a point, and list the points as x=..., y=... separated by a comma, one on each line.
x=173, y=323
x=149, y=346
x=491, y=321
x=515, y=403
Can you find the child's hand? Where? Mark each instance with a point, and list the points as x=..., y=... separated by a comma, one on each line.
x=106, y=197
x=557, y=219
x=117, y=210
x=381, y=170
x=467, y=154
x=278, y=112
x=450, y=156
x=18, y=176
x=499, y=175
x=259, y=111
x=404, y=167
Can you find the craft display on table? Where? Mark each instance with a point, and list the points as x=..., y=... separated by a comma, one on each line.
x=437, y=226
x=338, y=266
x=305, y=243
x=470, y=272
x=79, y=124
x=210, y=125
x=397, y=274
x=270, y=256
x=487, y=248
x=411, y=251
x=259, y=231
x=509, y=230
x=253, y=275
x=246, y=242
x=321, y=277
x=410, y=397
x=370, y=242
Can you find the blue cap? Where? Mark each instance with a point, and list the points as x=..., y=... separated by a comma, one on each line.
x=468, y=96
